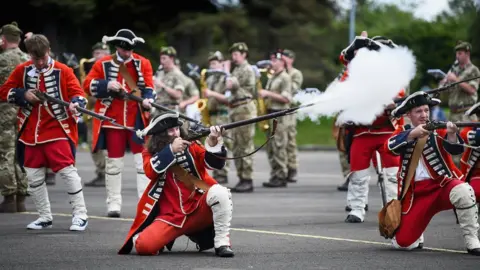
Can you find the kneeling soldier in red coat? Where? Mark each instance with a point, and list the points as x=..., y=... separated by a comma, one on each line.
x=436, y=184
x=172, y=206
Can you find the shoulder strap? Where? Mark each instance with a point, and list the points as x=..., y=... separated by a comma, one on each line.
x=417, y=153
x=128, y=78
x=188, y=179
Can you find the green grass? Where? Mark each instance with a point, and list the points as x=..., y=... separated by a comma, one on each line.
x=308, y=133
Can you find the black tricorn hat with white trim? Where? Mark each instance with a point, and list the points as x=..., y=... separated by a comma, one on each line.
x=124, y=38
x=473, y=110
x=358, y=43
x=414, y=100
x=161, y=123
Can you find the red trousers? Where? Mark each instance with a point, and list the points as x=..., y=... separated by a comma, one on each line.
x=54, y=155
x=475, y=182
x=117, y=140
x=363, y=150
x=429, y=198
x=159, y=234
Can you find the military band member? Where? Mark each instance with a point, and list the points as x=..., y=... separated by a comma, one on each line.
x=190, y=96
x=242, y=84
x=99, y=50
x=278, y=96
x=48, y=132
x=217, y=106
x=171, y=207
x=169, y=82
x=102, y=82
x=13, y=182
x=292, y=149
x=464, y=95
x=436, y=184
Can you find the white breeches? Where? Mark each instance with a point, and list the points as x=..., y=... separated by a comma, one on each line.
x=219, y=199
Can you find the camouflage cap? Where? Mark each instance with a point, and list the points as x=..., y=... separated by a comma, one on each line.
x=463, y=45
x=289, y=53
x=11, y=29
x=100, y=46
x=170, y=51
x=215, y=56
x=239, y=46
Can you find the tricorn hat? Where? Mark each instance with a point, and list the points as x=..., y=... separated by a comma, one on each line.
x=414, y=100
x=359, y=42
x=161, y=123
x=124, y=38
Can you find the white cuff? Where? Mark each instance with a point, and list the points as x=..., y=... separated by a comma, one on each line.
x=214, y=149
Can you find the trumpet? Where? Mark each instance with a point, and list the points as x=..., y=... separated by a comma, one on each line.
x=202, y=102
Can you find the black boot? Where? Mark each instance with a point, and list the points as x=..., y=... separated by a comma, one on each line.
x=348, y=209
x=344, y=186
x=276, y=182
x=291, y=176
x=353, y=219
x=98, y=181
x=475, y=251
x=245, y=185
x=224, y=251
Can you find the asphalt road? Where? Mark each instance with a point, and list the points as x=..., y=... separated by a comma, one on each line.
x=299, y=227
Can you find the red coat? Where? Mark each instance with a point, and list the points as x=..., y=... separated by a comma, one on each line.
x=45, y=123
x=436, y=156
x=125, y=112
x=166, y=198
x=470, y=157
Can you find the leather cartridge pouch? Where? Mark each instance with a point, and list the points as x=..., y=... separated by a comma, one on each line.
x=390, y=216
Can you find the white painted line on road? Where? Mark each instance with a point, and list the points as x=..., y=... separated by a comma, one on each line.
x=272, y=233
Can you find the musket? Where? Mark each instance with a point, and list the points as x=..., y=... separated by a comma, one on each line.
x=205, y=131
x=132, y=96
x=442, y=124
x=44, y=97
x=439, y=89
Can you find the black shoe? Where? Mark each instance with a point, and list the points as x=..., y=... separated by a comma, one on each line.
x=115, y=214
x=243, y=186
x=224, y=251
x=420, y=246
x=98, y=181
x=475, y=251
x=292, y=173
x=344, y=186
x=50, y=179
x=353, y=219
x=275, y=182
x=348, y=209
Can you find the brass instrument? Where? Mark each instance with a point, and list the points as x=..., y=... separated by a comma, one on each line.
x=261, y=103
x=202, y=102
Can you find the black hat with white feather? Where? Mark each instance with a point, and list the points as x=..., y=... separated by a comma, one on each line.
x=124, y=38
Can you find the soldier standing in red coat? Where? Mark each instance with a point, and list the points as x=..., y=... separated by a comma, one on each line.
x=366, y=140
x=469, y=162
x=437, y=184
x=104, y=80
x=170, y=207
x=48, y=132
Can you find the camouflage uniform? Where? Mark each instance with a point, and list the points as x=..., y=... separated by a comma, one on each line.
x=13, y=181
x=280, y=83
x=99, y=156
x=292, y=149
x=242, y=107
x=459, y=101
x=191, y=90
x=218, y=116
x=174, y=79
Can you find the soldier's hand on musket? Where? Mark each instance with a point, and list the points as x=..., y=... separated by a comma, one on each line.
x=419, y=132
x=179, y=145
x=114, y=86
x=216, y=133
x=451, y=128
x=31, y=97
x=73, y=108
x=146, y=103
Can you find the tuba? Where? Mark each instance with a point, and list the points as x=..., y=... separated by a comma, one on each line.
x=202, y=102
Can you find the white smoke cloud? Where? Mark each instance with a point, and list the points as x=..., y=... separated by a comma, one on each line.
x=374, y=79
